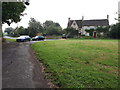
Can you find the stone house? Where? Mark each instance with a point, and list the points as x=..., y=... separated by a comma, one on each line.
x=83, y=25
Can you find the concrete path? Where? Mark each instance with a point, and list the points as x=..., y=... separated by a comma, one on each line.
x=20, y=69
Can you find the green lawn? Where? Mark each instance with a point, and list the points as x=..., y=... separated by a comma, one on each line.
x=10, y=40
x=80, y=63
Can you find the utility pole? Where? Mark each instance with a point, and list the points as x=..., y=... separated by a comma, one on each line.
x=119, y=11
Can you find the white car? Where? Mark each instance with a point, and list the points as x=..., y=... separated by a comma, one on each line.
x=38, y=38
x=23, y=38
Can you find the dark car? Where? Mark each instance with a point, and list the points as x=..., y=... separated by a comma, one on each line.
x=38, y=38
x=64, y=36
x=23, y=38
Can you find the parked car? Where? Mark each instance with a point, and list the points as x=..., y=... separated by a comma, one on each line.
x=38, y=38
x=64, y=36
x=23, y=38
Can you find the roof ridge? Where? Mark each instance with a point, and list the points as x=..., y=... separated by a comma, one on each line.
x=97, y=19
x=89, y=19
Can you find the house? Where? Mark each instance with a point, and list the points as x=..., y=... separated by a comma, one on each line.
x=83, y=25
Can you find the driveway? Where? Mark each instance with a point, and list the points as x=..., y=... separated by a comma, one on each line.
x=20, y=69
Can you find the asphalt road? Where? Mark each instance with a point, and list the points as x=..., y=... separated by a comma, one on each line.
x=20, y=69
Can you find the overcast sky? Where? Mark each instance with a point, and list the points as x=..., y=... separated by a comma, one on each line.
x=60, y=10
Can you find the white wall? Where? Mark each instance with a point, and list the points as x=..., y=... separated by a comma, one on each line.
x=83, y=32
x=74, y=25
x=89, y=27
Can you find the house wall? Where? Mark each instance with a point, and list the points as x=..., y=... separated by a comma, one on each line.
x=74, y=25
x=89, y=27
x=83, y=32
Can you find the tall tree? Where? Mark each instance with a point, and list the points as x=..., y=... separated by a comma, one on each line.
x=21, y=31
x=34, y=28
x=115, y=31
x=70, y=32
x=52, y=28
x=8, y=30
x=11, y=12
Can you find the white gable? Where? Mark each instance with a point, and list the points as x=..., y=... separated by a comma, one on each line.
x=74, y=25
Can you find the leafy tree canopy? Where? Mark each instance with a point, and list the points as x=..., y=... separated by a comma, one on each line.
x=102, y=29
x=70, y=32
x=115, y=31
x=11, y=12
x=52, y=28
x=34, y=27
x=8, y=30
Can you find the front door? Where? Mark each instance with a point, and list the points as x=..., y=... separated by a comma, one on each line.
x=94, y=34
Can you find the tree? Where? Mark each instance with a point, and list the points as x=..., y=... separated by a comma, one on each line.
x=70, y=32
x=21, y=31
x=115, y=31
x=90, y=31
x=8, y=30
x=34, y=28
x=11, y=12
x=104, y=30
x=53, y=31
x=52, y=28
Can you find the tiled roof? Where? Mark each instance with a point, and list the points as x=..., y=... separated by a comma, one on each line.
x=69, y=23
x=97, y=22
x=79, y=23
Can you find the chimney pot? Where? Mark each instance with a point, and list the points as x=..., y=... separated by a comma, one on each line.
x=68, y=18
x=108, y=17
x=82, y=17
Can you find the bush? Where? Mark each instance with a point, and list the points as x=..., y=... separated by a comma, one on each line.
x=71, y=32
x=115, y=31
x=87, y=37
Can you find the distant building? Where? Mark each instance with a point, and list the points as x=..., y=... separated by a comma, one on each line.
x=82, y=25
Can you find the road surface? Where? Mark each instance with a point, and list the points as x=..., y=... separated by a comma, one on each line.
x=20, y=69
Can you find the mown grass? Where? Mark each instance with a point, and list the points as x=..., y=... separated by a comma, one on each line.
x=80, y=63
x=10, y=40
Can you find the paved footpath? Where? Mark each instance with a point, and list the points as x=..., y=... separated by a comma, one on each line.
x=20, y=69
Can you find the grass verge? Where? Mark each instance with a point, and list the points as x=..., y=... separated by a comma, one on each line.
x=80, y=63
x=10, y=40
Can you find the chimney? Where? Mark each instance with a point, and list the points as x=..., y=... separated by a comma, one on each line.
x=68, y=19
x=82, y=18
x=108, y=17
x=68, y=25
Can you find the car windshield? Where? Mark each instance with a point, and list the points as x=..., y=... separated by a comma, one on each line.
x=24, y=37
x=36, y=36
x=21, y=37
x=27, y=36
x=41, y=36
